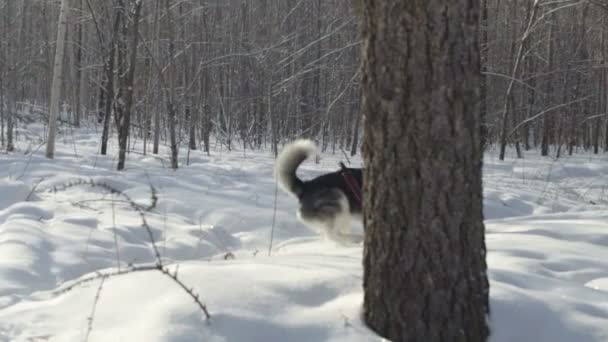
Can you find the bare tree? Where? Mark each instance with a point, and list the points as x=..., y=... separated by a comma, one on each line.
x=509, y=102
x=57, y=78
x=228, y=70
x=169, y=85
x=126, y=57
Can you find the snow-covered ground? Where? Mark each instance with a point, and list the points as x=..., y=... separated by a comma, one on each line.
x=547, y=235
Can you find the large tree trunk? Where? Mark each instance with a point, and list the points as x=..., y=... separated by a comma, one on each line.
x=56, y=85
x=424, y=256
x=2, y=108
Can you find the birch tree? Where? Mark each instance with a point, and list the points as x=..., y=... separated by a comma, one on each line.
x=56, y=85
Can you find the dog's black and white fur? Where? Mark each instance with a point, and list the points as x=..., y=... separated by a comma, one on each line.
x=328, y=203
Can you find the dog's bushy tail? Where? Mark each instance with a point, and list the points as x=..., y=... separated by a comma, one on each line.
x=292, y=155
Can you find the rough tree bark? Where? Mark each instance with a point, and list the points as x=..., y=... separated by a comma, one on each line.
x=483, y=50
x=2, y=108
x=424, y=254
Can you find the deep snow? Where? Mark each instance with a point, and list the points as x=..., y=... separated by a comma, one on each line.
x=547, y=234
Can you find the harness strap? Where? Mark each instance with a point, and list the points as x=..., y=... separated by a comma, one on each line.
x=352, y=183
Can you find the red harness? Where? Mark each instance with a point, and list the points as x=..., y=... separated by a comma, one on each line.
x=352, y=183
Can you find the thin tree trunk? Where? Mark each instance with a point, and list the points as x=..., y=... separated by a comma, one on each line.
x=171, y=110
x=514, y=75
x=189, y=112
x=273, y=124
x=157, y=109
x=78, y=67
x=6, y=104
x=355, y=142
x=127, y=59
x=57, y=79
x=107, y=88
x=525, y=128
x=547, y=122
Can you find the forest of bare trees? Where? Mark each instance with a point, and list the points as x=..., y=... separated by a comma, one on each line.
x=249, y=73
x=252, y=74
x=545, y=68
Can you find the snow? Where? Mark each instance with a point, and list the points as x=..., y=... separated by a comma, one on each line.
x=547, y=241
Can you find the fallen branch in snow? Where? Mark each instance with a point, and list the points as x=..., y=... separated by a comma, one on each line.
x=137, y=207
x=141, y=268
x=158, y=266
x=188, y=290
x=99, y=275
x=92, y=316
x=115, y=235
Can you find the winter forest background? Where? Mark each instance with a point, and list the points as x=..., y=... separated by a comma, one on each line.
x=258, y=73
x=193, y=99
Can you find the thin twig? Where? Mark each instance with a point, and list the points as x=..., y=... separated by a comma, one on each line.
x=115, y=236
x=544, y=112
x=345, y=155
x=141, y=268
x=29, y=160
x=189, y=291
x=138, y=208
x=92, y=315
x=274, y=215
x=34, y=189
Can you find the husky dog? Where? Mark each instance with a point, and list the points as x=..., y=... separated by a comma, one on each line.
x=329, y=202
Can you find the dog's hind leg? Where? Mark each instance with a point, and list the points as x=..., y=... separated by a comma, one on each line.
x=340, y=229
x=342, y=221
